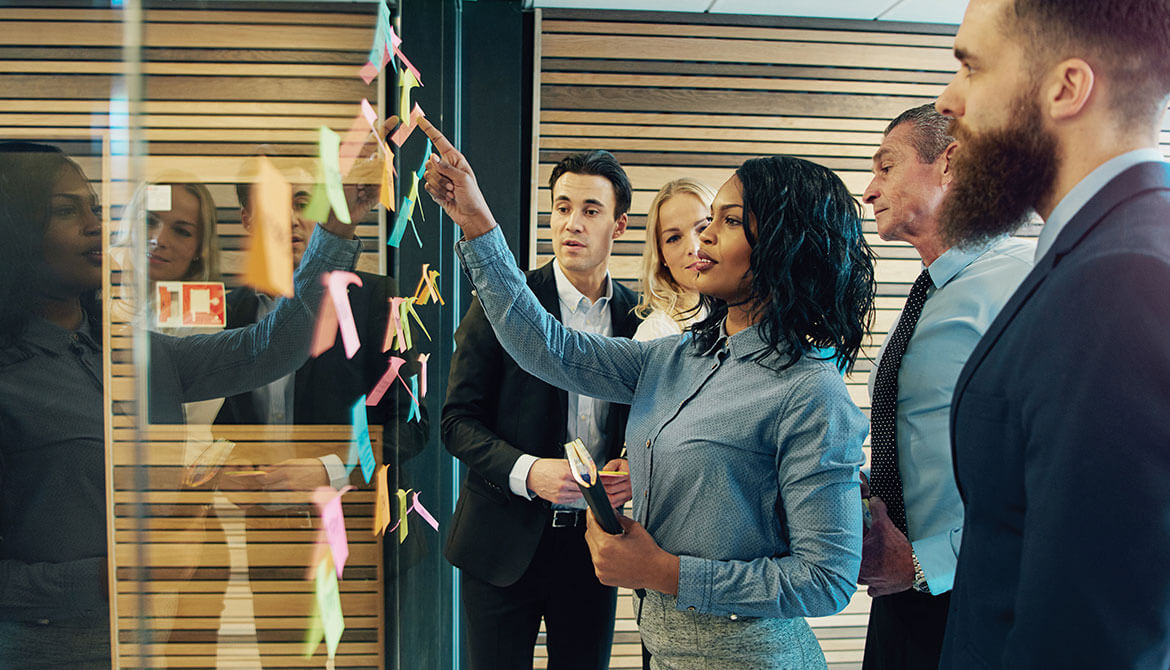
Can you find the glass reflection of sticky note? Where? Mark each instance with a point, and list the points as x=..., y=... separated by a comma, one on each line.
x=268, y=266
x=418, y=508
x=329, y=606
x=158, y=198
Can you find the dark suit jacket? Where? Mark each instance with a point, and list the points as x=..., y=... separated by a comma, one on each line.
x=326, y=387
x=1061, y=432
x=494, y=413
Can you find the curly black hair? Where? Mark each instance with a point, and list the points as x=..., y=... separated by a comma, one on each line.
x=812, y=283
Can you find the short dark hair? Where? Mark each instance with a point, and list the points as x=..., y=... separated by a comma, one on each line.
x=1128, y=40
x=603, y=164
x=928, y=131
x=812, y=282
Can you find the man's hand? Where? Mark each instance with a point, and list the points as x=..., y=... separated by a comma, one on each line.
x=295, y=474
x=451, y=183
x=633, y=559
x=886, y=564
x=617, y=488
x=361, y=194
x=551, y=479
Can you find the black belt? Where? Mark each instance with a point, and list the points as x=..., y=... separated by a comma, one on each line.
x=568, y=518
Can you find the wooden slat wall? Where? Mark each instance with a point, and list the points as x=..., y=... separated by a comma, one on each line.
x=218, y=83
x=675, y=95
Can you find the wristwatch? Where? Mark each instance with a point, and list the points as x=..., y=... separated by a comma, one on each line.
x=920, y=584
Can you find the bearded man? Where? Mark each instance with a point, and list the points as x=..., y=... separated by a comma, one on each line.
x=1060, y=422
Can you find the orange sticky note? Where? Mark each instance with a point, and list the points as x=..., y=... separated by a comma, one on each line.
x=351, y=145
x=269, y=264
x=427, y=288
x=382, y=506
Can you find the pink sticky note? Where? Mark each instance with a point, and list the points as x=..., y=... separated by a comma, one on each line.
x=407, y=127
x=422, y=511
x=384, y=383
x=368, y=72
x=339, y=280
x=422, y=363
x=409, y=66
x=370, y=114
x=325, y=332
x=328, y=503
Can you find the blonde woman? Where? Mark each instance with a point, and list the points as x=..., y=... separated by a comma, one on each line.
x=669, y=302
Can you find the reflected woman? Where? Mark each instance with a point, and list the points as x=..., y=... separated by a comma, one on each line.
x=53, y=566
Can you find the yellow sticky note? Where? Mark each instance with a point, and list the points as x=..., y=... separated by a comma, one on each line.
x=329, y=605
x=329, y=192
x=269, y=264
x=406, y=81
x=382, y=506
x=402, y=527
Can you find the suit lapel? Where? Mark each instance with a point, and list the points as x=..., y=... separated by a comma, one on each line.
x=544, y=286
x=1130, y=183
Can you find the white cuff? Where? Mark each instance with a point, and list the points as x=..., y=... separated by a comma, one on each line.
x=518, y=478
x=335, y=469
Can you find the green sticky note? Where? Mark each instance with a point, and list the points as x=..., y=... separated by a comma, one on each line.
x=329, y=605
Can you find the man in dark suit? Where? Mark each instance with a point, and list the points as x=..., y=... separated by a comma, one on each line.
x=323, y=391
x=518, y=532
x=1061, y=416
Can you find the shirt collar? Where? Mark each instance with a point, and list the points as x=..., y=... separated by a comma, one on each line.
x=57, y=340
x=1084, y=191
x=570, y=296
x=954, y=260
x=747, y=343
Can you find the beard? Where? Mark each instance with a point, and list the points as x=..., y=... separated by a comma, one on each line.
x=1000, y=176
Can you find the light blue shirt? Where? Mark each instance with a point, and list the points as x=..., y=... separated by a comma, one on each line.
x=1079, y=196
x=969, y=289
x=747, y=473
x=585, y=417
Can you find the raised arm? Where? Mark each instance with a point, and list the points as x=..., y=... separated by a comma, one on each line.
x=586, y=364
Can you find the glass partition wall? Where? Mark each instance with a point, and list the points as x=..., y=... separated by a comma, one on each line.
x=183, y=484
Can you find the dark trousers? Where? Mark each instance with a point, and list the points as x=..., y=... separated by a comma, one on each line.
x=906, y=631
x=560, y=586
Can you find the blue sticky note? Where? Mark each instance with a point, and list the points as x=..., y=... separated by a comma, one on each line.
x=414, y=412
x=360, y=449
x=404, y=211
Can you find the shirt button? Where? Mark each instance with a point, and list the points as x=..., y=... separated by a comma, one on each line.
x=647, y=444
x=734, y=617
x=691, y=608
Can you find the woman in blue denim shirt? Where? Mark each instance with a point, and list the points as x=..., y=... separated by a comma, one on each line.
x=743, y=442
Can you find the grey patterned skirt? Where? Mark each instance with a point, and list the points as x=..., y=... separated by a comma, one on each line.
x=694, y=641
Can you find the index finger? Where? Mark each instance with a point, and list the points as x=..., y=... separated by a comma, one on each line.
x=442, y=145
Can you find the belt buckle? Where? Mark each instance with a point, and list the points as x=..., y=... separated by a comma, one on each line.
x=565, y=518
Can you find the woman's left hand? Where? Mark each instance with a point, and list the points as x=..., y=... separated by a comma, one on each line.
x=631, y=560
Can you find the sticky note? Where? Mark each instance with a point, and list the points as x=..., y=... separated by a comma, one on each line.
x=359, y=444
x=158, y=197
x=414, y=411
x=268, y=267
x=351, y=146
x=316, y=630
x=329, y=192
x=427, y=289
x=408, y=125
x=417, y=506
x=329, y=606
x=422, y=363
x=406, y=82
x=408, y=310
x=382, y=506
x=328, y=502
x=403, y=529
x=335, y=314
x=384, y=383
x=404, y=212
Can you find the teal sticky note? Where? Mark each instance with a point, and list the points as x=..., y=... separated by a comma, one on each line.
x=359, y=444
x=414, y=411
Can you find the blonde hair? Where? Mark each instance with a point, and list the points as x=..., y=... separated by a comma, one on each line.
x=205, y=266
x=659, y=289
